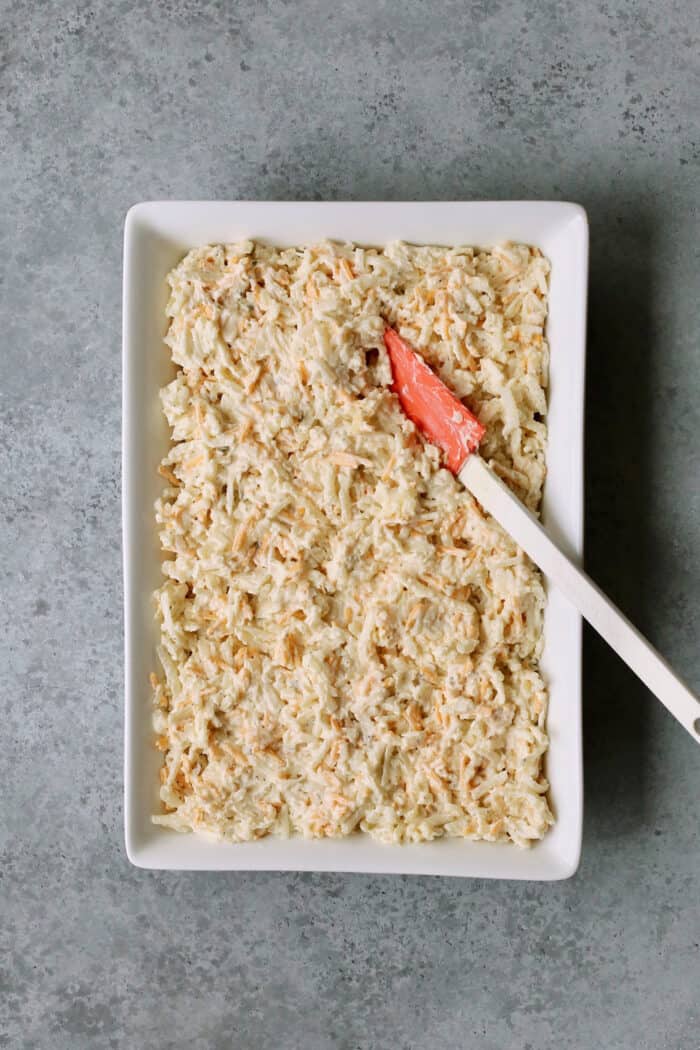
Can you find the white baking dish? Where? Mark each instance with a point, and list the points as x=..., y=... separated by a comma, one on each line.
x=156, y=235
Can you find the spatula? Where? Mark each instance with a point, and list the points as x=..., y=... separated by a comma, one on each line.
x=444, y=420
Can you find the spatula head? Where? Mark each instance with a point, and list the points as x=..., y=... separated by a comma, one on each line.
x=425, y=399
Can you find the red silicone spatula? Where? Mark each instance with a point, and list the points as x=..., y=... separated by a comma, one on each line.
x=444, y=420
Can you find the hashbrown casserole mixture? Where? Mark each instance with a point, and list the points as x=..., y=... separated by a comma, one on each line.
x=347, y=641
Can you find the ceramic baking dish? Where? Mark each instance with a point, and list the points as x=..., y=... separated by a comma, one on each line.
x=156, y=236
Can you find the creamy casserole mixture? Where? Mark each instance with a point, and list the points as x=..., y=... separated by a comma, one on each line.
x=348, y=642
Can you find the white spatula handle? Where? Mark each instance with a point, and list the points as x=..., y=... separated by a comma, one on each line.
x=608, y=621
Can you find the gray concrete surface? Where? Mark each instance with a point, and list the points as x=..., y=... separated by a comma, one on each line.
x=105, y=104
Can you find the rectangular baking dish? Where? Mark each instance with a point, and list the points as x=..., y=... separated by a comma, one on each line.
x=156, y=236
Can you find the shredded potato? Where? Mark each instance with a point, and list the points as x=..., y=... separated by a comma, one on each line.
x=348, y=642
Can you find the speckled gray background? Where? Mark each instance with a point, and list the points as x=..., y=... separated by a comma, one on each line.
x=105, y=104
